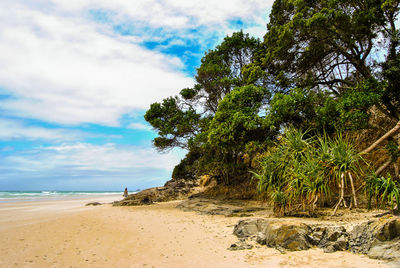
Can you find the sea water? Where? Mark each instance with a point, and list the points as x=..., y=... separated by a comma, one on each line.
x=15, y=196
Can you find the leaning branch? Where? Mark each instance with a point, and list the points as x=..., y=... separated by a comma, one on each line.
x=384, y=137
x=382, y=168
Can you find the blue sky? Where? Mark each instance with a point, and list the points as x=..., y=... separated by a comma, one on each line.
x=76, y=78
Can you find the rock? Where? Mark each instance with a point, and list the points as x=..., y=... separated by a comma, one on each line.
x=389, y=251
x=94, y=204
x=240, y=245
x=333, y=238
x=247, y=228
x=363, y=236
x=286, y=236
x=174, y=189
x=379, y=239
x=261, y=238
x=218, y=207
x=330, y=249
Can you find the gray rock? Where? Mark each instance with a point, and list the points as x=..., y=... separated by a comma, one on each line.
x=218, y=207
x=94, y=204
x=286, y=236
x=261, y=238
x=240, y=245
x=379, y=239
x=173, y=189
x=389, y=251
x=333, y=238
x=363, y=236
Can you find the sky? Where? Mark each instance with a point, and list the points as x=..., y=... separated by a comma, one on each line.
x=77, y=76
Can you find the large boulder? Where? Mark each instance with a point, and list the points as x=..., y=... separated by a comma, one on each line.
x=363, y=236
x=390, y=250
x=288, y=236
x=292, y=237
x=330, y=238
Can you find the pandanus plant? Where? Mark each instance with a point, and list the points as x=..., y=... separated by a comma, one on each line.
x=385, y=190
x=344, y=160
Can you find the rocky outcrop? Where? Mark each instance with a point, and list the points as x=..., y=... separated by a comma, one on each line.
x=174, y=189
x=274, y=234
x=379, y=239
x=218, y=207
x=94, y=204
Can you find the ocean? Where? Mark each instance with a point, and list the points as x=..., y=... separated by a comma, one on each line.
x=15, y=196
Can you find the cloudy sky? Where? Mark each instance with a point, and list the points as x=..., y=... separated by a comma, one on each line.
x=76, y=77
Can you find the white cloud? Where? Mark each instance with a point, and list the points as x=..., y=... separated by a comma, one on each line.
x=63, y=67
x=140, y=126
x=63, y=70
x=60, y=65
x=175, y=14
x=84, y=156
x=12, y=130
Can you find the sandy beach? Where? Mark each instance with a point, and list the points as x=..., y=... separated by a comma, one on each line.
x=66, y=233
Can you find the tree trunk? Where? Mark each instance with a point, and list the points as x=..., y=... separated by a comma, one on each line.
x=396, y=169
x=352, y=189
x=381, y=139
x=314, y=203
x=382, y=168
x=341, y=199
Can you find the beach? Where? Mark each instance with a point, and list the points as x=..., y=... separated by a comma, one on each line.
x=66, y=233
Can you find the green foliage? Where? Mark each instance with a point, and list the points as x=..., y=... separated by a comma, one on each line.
x=303, y=168
x=385, y=190
x=321, y=67
x=187, y=168
x=343, y=155
x=331, y=46
x=221, y=69
x=292, y=170
x=393, y=149
x=237, y=120
x=309, y=40
x=174, y=125
x=354, y=105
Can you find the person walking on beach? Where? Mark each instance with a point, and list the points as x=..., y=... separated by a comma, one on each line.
x=126, y=192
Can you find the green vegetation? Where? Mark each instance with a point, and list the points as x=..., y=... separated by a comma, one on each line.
x=323, y=67
x=386, y=191
x=303, y=170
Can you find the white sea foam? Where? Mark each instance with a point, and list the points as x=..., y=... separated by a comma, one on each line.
x=6, y=196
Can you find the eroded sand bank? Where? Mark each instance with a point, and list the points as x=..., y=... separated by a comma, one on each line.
x=69, y=234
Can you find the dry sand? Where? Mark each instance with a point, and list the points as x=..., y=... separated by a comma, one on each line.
x=68, y=234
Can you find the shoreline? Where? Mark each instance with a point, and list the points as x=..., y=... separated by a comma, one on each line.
x=68, y=233
x=38, y=196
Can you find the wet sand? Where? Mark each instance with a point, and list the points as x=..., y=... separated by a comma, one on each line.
x=66, y=233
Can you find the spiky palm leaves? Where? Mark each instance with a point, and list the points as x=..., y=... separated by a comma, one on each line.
x=291, y=173
x=385, y=190
x=302, y=169
x=344, y=161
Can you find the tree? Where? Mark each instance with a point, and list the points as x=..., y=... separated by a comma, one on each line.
x=221, y=68
x=238, y=125
x=335, y=46
x=198, y=119
x=176, y=124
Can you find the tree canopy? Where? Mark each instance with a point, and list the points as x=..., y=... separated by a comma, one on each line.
x=321, y=68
